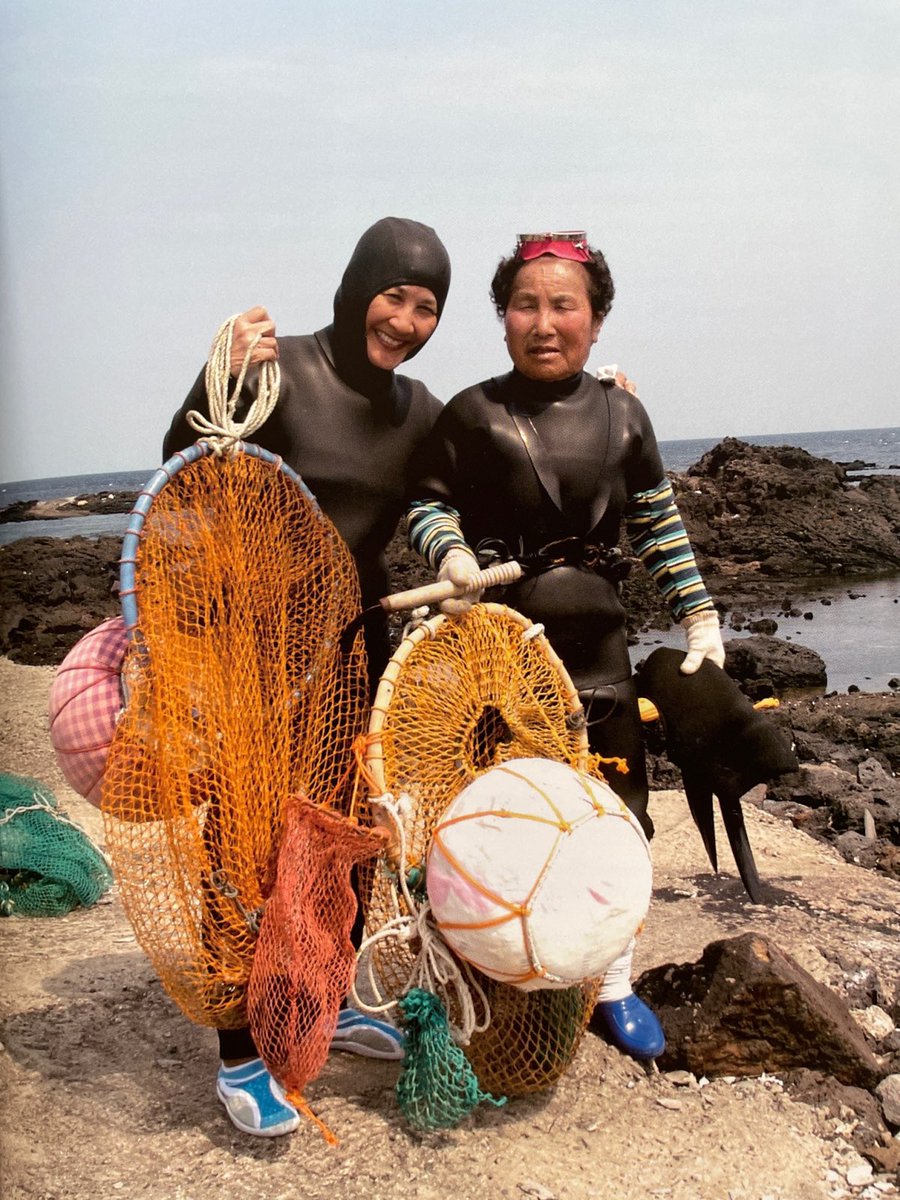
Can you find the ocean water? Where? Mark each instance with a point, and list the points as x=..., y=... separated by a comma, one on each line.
x=880, y=447
x=67, y=487
x=857, y=633
x=858, y=638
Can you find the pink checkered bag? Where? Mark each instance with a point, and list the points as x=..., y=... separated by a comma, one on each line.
x=85, y=702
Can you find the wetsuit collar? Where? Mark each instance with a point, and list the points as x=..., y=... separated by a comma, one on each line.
x=538, y=393
x=391, y=403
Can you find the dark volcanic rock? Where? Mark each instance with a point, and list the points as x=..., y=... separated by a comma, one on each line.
x=788, y=513
x=846, y=730
x=88, y=503
x=769, y=666
x=762, y=516
x=847, y=800
x=52, y=591
x=747, y=1008
x=868, y=1134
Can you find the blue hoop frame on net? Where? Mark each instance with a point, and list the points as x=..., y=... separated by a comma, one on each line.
x=165, y=474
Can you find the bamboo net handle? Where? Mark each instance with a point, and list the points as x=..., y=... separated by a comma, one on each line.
x=434, y=593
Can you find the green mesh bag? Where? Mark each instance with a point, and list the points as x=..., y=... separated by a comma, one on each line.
x=437, y=1086
x=48, y=866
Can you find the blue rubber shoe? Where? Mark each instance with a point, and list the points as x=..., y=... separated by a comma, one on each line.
x=255, y=1101
x=633, y=1026
x=358, y=1033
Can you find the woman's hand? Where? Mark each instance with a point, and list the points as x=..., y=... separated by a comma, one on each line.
x=459, y=565
x=704, y=640
x=254, y=321
x=623, y=381
x=619, y=378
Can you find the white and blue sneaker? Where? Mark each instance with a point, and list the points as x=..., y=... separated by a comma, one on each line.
x=255, y=1101
x=358, y=1033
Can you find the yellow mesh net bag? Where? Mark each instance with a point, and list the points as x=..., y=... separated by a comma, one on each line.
x=460, y=696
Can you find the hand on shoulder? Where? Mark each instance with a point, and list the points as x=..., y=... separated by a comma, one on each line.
x=619, y=378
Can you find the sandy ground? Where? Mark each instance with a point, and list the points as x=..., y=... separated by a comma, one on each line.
x=109, y=1092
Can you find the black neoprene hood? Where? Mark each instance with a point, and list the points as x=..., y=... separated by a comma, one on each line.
x=393, y=251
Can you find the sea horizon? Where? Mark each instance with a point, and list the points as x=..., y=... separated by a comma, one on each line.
x=879, y=445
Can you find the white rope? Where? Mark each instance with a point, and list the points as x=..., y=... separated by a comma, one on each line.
x=220, y=428
x=435, y=968
x=417, y=617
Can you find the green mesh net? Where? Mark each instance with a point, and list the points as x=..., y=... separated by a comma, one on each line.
x=437, y=1086
x=48, y=866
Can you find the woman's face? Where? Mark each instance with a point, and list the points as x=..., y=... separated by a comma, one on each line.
x=397, y=322
x=550, y=326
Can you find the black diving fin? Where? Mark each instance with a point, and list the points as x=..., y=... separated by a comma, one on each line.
x=733, y=816
x=722, y=745
x=700, y=802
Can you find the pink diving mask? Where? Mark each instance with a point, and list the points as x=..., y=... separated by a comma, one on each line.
x=569, y=244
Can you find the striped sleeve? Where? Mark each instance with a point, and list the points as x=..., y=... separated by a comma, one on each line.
x=434, y=530
x=659, y=539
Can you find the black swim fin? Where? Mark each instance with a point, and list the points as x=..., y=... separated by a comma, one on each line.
x=723, y=746
x=699, y=794
x=700, y=802
x=733, y=816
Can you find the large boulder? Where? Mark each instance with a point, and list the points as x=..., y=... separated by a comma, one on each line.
x=748, y=1008
x=779, y=511
x=768, y=666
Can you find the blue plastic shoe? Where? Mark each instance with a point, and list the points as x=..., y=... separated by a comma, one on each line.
x=255, y=1101
x=358, y=1033
x=633, y=1026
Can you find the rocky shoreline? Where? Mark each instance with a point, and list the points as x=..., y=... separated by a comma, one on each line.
x=771, y=527
x=813, y=1014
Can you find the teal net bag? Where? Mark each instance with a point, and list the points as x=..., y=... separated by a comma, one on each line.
x=48, y=865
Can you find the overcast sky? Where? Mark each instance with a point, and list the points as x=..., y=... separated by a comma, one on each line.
x=165, y=165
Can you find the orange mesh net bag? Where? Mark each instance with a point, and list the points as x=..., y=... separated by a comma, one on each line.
x=305, y=962
x=240, y=696
x=458, y=698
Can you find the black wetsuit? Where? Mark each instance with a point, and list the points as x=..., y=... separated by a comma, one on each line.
x=353, y=452
x=533, y=463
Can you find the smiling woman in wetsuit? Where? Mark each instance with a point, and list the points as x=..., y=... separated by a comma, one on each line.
x=350, y=427
x=345, y=422
x=544, y=464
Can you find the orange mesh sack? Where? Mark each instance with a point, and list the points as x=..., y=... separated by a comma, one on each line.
x=236, y=589
x=305, y=962
x=459, y=697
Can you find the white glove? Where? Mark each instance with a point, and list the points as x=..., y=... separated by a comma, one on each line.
x=612, y=374
x=704, y=640
x=459, y=566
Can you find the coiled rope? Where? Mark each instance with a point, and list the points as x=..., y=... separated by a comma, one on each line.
x=220, y=429
x=436, y=968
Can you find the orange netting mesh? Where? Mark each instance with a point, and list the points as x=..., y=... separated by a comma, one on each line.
x=240, y=695
x=458, y=697
x=305, y=962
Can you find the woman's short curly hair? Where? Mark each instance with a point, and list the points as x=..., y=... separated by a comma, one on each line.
x=600, y=285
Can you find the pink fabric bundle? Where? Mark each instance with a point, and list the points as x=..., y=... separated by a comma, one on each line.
x=85, y=702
